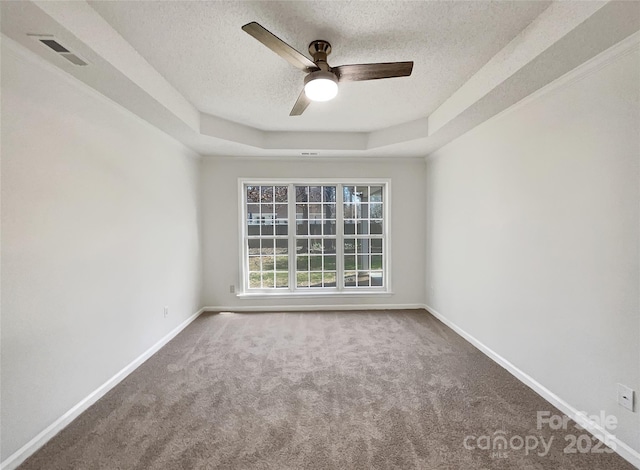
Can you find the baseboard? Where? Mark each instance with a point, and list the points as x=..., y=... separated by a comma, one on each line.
x=307, y=308
x=623, y=449
x=58, y=425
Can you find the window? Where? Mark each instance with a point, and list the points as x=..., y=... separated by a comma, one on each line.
x=314, y=236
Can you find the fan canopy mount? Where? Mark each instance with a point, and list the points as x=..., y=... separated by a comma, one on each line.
x=319, y=50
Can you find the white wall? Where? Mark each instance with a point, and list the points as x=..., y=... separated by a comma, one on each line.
x=220, y=224
x=100, y=230
x=532, y=237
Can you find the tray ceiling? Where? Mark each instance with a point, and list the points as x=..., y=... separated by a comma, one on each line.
x=201, y=50
x=189, y=69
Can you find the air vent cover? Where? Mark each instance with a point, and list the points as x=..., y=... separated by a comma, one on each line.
x=55, y=46
x=74, y=59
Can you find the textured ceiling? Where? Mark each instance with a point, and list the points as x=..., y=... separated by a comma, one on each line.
x=201, y=50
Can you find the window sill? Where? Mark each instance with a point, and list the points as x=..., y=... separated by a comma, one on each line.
x=311, y=295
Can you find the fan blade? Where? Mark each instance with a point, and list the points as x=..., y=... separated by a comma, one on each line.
x=280, y=47
x=358, y=72
x=301, y=104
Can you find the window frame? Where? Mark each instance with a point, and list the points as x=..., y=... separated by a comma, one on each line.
x=293, y=291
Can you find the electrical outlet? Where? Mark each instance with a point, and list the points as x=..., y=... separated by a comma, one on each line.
x=232, y=289
x=166, y=311
x=625, y=397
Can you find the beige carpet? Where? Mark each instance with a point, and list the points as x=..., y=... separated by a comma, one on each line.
x=335, y=390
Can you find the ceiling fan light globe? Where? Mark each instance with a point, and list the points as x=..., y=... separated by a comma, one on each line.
x=321, y=86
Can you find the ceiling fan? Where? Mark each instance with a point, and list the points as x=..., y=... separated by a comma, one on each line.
x=321, y=82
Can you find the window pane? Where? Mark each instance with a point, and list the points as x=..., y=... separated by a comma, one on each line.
x=302, y=263
x=348, y=193
x=329, y=194
x=282, y=279
x=268, y=263
x=329, y=211
x=302, y=193
x=376, y=210
x=254, y=246
x=363, y=227
x=315, y=227
x=329, y=279
x=362, y=211
x=315, y=211
x=268, y=280
x=329, y=263
x=315, y=245
x=253, y=193
x=282, y=263
x=253, y=211
x=329, y=245
x=363, y=278
x=302, y=279
x=376, y=279
x=315, y=193
x=282, y=193
x=349, y=262
x=362, y=192
x=253, y=229
x=302, y=227
x=254, y=263
x=302, y=246
x=329, y=227
x=254, y=280
x=266, y=229
x=315, y=263
x=315, y=279
x=376, y=261
x=375, y=227
x=349, y=227
x=282, y=212
x=282, y=229
x=363, y=262
x=349, y=211
x=266, y=211
x=266, y=193
x=376, y=245
x=349, y=245
x=349, y=278
x=282, y=246
x=375, y=193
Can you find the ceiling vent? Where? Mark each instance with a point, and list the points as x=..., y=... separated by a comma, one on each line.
x=58, y=48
